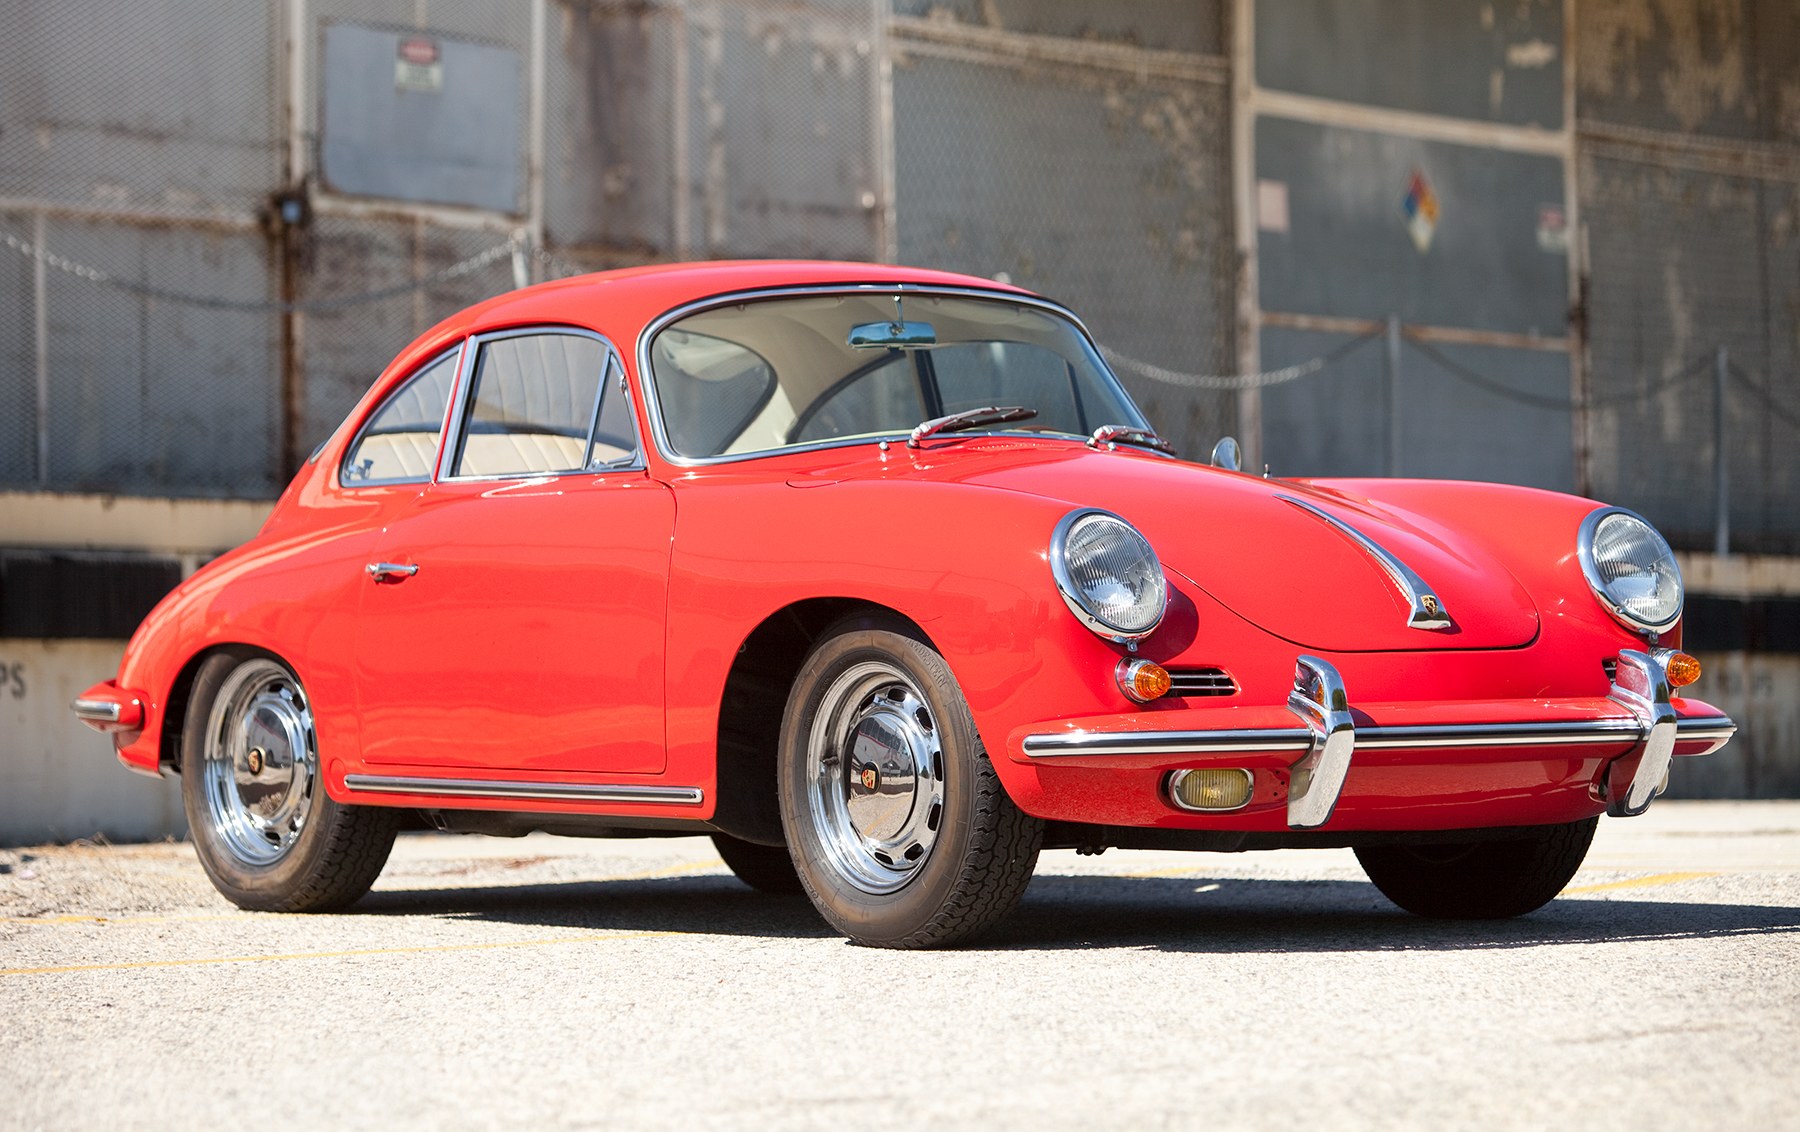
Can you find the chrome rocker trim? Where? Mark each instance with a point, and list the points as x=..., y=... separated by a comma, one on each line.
x=1325, y=746
x=534, y=791
x=1428, y=610
x=98, y=711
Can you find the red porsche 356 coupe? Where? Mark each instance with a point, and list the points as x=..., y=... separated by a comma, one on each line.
x=877, y=576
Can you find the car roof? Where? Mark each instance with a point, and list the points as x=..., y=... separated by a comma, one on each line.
x=628, y=299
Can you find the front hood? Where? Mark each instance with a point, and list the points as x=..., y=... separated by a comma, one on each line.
x=1275, y=564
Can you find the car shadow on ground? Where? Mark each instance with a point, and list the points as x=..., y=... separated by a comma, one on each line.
x=1188, y=914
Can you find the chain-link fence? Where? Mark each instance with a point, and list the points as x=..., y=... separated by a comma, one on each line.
x=205, y=266
x=1690, y=195
x=1090, y=171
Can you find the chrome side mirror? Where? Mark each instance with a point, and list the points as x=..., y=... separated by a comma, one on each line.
x=1227, y=454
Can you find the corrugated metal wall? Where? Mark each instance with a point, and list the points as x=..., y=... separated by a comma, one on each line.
x=1084, y=150
x=1690, y=182
x=1058, y=153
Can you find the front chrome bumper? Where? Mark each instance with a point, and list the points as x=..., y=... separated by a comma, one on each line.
x=1326, y=743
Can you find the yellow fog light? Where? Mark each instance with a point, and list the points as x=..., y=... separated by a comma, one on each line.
x=1142, y=680
x=1210, y=790
x=1681, y=668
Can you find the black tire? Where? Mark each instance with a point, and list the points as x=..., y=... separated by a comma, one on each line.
x=766, y=868
x=267, y=834
x=926, y=851
x=1483, y=880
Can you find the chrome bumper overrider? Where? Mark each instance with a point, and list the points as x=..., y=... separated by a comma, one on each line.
x=97, y=711
x=1329, y=739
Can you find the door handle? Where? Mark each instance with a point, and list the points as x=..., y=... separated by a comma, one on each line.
x=384, y=571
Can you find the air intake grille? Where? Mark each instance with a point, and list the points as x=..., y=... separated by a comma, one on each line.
x=1201, y=682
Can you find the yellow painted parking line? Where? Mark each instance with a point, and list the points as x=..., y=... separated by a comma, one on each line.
x=687, y=868
x=198, y=918
x=1637, y=882
x=447, y=947
x=1173, y=871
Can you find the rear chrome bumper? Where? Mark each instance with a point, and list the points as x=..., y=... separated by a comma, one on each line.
x=106, y=707
x=1325, y=744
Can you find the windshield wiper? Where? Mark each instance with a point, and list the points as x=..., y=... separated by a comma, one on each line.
x=1111, y=434
x=970, y=418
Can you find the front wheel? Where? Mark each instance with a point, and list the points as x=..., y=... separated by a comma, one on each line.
x=902, y=833
x=1480, y=880
x=267, y=834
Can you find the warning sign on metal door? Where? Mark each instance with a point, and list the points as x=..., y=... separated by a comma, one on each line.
x=1420, y=207
x=418, y=66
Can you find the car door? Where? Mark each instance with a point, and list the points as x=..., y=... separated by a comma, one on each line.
x=513, y=615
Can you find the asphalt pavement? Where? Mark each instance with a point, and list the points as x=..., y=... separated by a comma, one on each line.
x=624, y=984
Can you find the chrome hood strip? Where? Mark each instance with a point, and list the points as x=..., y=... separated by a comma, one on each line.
x=1427, y=610
x=534, y=791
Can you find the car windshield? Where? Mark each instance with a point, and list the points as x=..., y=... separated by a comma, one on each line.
x=766, y=374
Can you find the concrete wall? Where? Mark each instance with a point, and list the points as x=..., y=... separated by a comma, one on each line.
x=60, y=780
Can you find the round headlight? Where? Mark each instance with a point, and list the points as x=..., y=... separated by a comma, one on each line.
x=1631, y=569
x=1108, y=575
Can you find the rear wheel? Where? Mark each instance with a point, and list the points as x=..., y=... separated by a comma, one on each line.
x=766, y=868
x=902, y=833
x=266, y=832
x=1482, y=880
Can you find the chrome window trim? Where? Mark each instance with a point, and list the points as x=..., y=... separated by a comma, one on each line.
x=458, y=424
x=1427, y=610
x=1584, y=553
x=653, y=408
x=443, y=425
x=1065, y=585
x=534, y=791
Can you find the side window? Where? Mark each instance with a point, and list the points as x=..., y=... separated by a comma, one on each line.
x=543, y=403
x=400, y=442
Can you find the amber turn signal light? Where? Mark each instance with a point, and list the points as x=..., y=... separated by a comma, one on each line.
x=1142, y=680
x=1682, y=669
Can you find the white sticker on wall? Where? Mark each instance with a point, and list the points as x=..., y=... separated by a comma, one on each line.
x=1272, y=206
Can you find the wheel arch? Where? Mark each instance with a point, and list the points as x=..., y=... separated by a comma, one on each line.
x=174, y=716
x=754, y=700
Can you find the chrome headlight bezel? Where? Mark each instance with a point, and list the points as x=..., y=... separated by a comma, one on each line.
x=1590, y=529
x=1098, y=623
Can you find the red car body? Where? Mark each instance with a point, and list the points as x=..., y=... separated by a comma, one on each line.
x=622, y=640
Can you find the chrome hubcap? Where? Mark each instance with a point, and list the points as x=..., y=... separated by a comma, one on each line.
x=875, y=777
x=261, y=762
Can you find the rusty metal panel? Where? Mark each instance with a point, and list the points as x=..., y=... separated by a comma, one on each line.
x=154, y=397
x=1723, y=68
x=347, y=347
x=1194, y=26
x=161, y=105
x=1493, y=62
x=1510, y=426
x=1100, y=188
x=1684, y=263
x=610, y=156
x=18, y=361
x=446, y=128
x=781, y=132
x=1347, y=250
